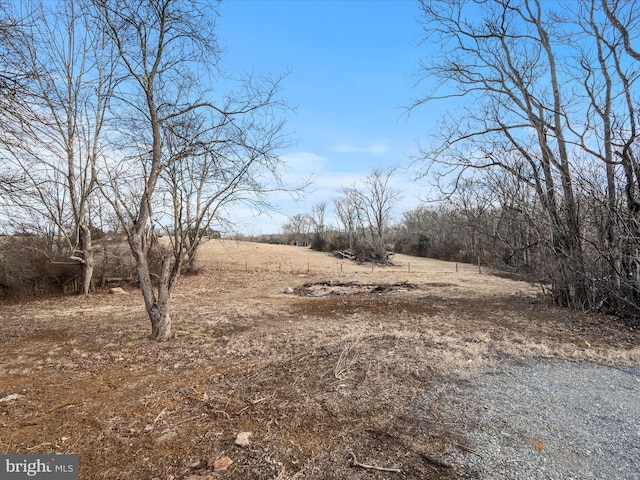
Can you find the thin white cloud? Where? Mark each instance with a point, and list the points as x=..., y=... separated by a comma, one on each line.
x=304, y=162
x=376, y=148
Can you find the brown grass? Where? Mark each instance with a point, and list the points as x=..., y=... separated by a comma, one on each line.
x=313, y=379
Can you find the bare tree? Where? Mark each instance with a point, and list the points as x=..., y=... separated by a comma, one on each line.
x=552, y=107
x=473, y=208
x=235, y=163
x=346, y=210
x=611, y=86
x=14, y=73
x=298, y=229
x=380, y=199
x=317, y=217
x=175, y=134
x=623, y=16
x=504, y=60
x=372, y=205
x=14, y=77
x=52, y=128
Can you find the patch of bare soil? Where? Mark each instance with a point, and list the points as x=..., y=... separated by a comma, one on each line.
x=324, y=384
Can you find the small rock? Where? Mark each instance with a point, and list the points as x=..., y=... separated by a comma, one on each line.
x=199, y=477
x=242, y=439
x=221, y=463
x=167, y=436
x=288, y=290
x=117, y=291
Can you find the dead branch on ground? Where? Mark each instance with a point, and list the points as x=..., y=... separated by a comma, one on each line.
x=356, y=463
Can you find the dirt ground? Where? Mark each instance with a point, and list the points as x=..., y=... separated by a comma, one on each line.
x=324, y=383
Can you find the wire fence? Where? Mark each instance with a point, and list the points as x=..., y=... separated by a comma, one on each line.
x=345, y=267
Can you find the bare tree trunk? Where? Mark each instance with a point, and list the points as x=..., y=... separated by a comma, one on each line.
x=86, y=247
x=158, y=306
x=160, y=310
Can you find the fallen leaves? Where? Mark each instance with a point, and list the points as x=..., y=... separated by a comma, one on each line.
x=217, y=464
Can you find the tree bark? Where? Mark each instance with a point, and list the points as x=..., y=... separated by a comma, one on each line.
x=157, y=305
x=86, y=246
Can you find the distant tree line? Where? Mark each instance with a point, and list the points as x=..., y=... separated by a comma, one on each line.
x=469, y=227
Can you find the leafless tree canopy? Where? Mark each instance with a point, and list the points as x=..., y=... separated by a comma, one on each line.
x=548, y=97
x=52, y=119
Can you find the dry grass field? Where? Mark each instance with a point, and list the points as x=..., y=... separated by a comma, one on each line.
x=324, y=384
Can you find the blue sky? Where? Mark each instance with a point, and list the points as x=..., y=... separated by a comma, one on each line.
x=352, y=71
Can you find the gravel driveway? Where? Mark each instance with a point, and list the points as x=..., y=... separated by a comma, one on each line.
x=545, y=419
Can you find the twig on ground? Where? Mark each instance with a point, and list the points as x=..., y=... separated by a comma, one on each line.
x=150, y=427
x=466, y=449
x=356, y=463
x=253, y=402
x=195, y=417
x=434, y=464
x=160, y=415
x=39, y=445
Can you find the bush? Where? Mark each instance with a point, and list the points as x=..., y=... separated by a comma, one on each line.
x=418, y=247
x=338, y=242
x=318, y=243
x=35, y=265
x=30, y=266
